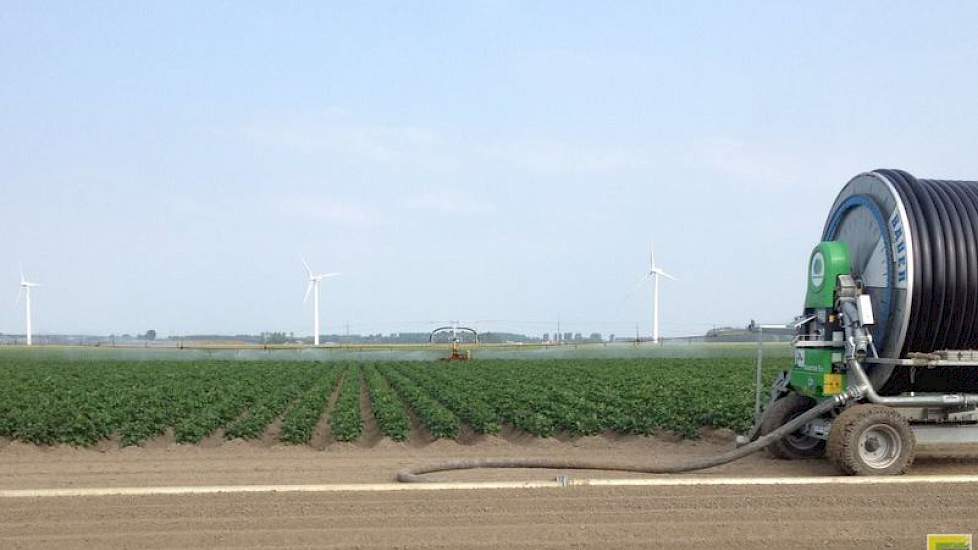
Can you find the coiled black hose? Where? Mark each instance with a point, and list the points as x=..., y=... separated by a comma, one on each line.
x=943, y=218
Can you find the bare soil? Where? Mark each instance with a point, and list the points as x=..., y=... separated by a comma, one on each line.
x=870, y=517
x=842, y=516
x=162, y=462
x=323, y=434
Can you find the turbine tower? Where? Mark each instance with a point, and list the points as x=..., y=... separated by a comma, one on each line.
x=313, y=287
x=654, y=273
x=25, y=289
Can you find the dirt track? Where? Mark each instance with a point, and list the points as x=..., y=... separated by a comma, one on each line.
x=876, y=516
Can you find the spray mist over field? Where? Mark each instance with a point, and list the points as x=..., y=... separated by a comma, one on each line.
x=395, y=353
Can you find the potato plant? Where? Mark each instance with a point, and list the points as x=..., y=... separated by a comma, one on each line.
x=439, y=421
x=281, y=389
x=300, y=422
x=81, y=402
x=386, y=407
x=460, y=398
x=346, y=422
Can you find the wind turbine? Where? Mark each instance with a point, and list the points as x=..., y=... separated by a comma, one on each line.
x=25, y=289
x=654, y=273
x=314, y=280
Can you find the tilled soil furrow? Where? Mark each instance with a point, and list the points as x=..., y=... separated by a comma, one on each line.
x=26, y=527
x=620, y=517
x=490, y=533
x=692, y=508
x=650, y=498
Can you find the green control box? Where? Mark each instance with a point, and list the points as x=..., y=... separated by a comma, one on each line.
x=814, y=373
x=829, y=260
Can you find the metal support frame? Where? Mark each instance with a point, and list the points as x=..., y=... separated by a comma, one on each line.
x=857, y=339
x=945, y=434
x=929, y=361
x=781, y=385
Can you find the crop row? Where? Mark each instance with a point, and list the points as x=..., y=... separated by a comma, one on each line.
x=440, y=421
x=387, y=408
x=300, y=422
x=346, y=422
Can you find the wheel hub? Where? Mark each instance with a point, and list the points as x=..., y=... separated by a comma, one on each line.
x=880, y=446
x=802, y=441
x=799, y=439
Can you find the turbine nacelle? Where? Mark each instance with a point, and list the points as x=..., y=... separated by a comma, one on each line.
x=658, y=271
x=322, y=276
x=654, y=269
x=23, y=280
x=314, y=283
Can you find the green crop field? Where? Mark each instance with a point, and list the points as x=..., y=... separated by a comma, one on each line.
x=48, y=400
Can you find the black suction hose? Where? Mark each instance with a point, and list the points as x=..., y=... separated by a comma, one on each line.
x=414, y=475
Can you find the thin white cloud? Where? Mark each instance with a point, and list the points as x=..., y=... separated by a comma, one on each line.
x=341, y=135
x=333, y=211
x=552, y=157
x=336, y=133
x=753, y=164
x=450, y=202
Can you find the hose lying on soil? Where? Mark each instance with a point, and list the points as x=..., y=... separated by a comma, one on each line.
x=413, y=475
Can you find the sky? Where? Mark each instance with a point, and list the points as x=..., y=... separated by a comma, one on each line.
x=165, y=165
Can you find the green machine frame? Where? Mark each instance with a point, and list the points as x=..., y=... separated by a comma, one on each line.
x=819, y=368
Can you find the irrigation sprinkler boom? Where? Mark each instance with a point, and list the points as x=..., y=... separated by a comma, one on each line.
x=454, y=329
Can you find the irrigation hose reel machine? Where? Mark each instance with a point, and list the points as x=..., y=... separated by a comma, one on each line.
x=892, y=293
x=889, y=328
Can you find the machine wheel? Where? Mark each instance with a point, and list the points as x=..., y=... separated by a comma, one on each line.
x=796, y=445
x=871, y=440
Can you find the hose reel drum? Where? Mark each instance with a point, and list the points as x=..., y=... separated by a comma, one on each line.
x=912, y=244
x=890, y=322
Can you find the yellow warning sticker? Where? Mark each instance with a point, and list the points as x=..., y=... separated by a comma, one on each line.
x=949, y=542
x=832, y=384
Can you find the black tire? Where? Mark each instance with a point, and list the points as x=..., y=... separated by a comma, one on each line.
x=871, y=440
x=794, y=446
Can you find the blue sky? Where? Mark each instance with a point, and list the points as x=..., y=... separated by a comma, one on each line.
x=165, y=165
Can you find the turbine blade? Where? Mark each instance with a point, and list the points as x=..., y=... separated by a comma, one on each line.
x=651, y=257
x=20, y=291
x=308, y=290
x=666, y=275
x=308, y=269
x=642, y=281
x=22, y=278
x=638, y=284
x=327, y=275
